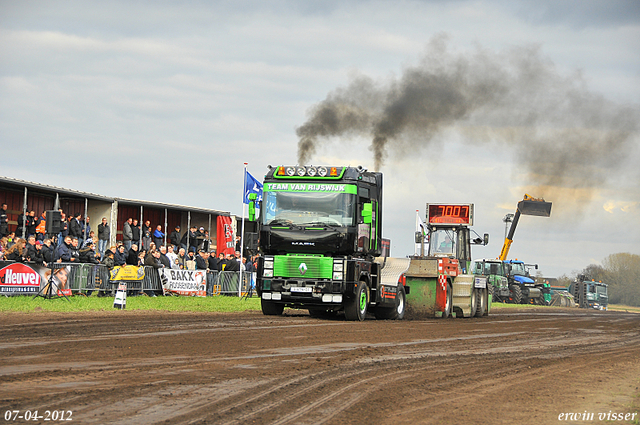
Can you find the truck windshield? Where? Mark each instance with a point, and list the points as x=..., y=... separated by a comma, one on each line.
x=602, y=290
x=308, y=209
x=442, y=243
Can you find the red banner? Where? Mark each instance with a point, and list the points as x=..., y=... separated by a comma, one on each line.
x=225, y=241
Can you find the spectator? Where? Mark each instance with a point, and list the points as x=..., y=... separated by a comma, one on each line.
x=17, y=252
x=249, y=266
x=181, y=258
x=172, y=256
x=232, y=264
x=141, y=256
x=90, y=240
x=3, y=246
x=146, y=235
x=75, y=250
x=202, y=262
x=63, y=251
x=75, y=227
x=164, y=260
x=86, y=230
x=189, y=240
x=132, y=255
x=47, y=251
x=88, y=254
x=152, y=259
x=30, y=248
x=4, y=221
x=38, y=258
x=64, y=228
x=213, y=262
x=127, y=235
x=11, y=238
x=41, y=226
x=135, y=233
x=104, y=234
x=120, y=256
x=108, y=259
x=158, y=236
x=222, y=262
x=190, y=261
x=206, y=242
x=174, y=238
x=31, y=223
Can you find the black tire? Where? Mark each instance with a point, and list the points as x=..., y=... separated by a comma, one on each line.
x=516, y=294
x=269, y=308
x=481, y=302
x=448, y=308
x=355, y=309
x=492, y=293
x=474, y=302
x=397, y=312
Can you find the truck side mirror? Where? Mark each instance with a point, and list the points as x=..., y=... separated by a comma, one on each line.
x=366, y=213
x=419, y=237
x=486, y=239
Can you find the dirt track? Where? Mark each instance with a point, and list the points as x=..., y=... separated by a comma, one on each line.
x=512, y=367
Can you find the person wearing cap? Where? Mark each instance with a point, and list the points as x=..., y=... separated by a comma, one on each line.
x=174, y=238
x=37, y=256
x=202, y=262
x=47, y=251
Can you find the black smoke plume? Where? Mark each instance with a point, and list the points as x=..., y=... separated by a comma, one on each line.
x=554, y=125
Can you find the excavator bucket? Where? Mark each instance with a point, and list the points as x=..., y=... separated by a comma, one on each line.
x=535, y=207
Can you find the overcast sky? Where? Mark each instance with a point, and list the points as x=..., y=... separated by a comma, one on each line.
x=165, y=101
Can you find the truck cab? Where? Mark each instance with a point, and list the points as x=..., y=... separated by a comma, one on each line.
x=320, y=231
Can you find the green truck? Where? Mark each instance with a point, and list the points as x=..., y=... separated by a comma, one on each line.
x=320, y=233
x=589, y=294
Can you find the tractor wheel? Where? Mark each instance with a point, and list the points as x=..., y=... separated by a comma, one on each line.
x=481, y=302
x=394, y=313
x=474, y=302
x=356, y=308
x=516, y=294
x=269, y=308
x=449, y=303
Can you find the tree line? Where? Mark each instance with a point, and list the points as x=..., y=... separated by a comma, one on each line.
x=620, y=271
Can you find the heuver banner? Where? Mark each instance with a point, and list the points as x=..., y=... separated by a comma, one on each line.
x=225, y=239
x=26, y=279
x=184, y=282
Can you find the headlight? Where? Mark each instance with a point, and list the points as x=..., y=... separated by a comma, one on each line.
x=268, y=264
x=311, y=171
x=322, y=171
x=338, y=266
x=301, y=171
x=290, y=171
x=337, y=275
x=267, y=273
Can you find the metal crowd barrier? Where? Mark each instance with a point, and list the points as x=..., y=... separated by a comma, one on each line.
x=86, y=279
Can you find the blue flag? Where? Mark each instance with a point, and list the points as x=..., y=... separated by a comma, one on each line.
x=251, y=185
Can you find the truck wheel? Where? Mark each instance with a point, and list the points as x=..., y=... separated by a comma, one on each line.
x=449, y=303
x=481, y=302
x=516, y=294
x=356, y=308
x=394, y=313
x=269, y=308
x=474, y=302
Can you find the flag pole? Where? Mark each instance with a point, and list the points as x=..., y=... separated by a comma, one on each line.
x=244, y=185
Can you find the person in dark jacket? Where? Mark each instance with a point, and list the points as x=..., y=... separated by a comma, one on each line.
x=74, y=249
x=4, y=221
x=135, y=233
x=63, y=252
x=213, y=262
x=164, y=260
x=31, y=249
x=104, y=234
x=127, y=234
x=17, y=252
x=108, y=259
x=88, y=254
x=132, y=255
x=202, y=262
x=232, y=264
x=75, y=227
x=120, y=256
x=174, y=238
x=47, y=251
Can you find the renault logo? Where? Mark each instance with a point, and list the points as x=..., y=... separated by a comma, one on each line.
x=302, y=268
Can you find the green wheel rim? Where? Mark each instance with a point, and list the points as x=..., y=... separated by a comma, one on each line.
x=363, y=300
